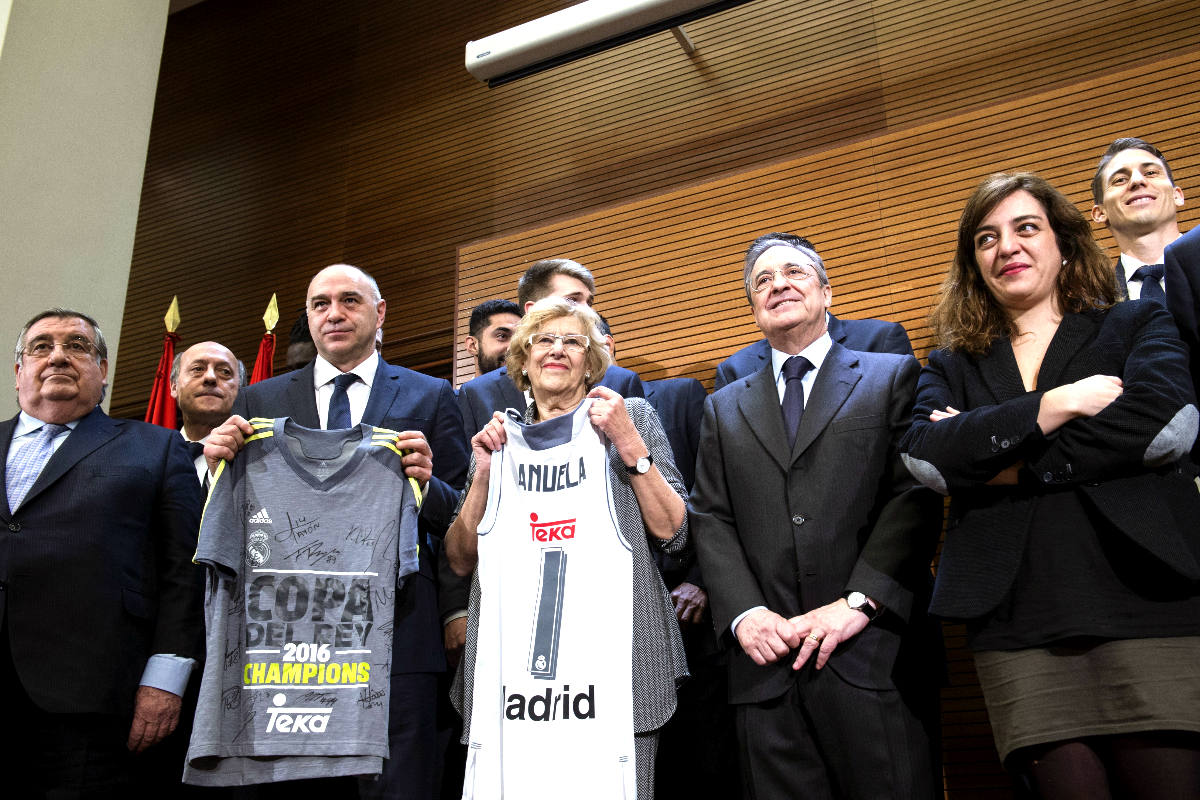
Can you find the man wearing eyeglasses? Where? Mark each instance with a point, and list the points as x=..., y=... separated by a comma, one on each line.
x=815, y=543
x=870, y=335
x=99, y=598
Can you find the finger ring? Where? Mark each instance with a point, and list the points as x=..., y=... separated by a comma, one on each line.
x=812, y=637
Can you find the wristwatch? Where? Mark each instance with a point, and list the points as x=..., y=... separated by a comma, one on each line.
x=641, y=467
x=859, y=602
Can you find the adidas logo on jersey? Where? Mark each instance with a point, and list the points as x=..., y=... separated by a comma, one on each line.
x=552, y=531
x=261, y=518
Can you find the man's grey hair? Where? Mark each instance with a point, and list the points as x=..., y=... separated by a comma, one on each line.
x=764, y=243
x=177, y=365
x=63, y=313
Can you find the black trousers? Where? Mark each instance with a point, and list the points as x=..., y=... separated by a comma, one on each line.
x=60, y=755
x=825, y=739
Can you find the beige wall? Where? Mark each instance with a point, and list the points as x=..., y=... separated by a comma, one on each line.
x=77, y=86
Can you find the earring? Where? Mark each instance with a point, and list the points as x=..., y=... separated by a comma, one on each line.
x=1064, y=262
x=524, y=371
x=587, y=376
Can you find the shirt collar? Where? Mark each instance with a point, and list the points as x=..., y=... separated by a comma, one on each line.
x=815, y=353
x=1130, y=265
x=324, y=372
x=186, y=439
x=27, y=423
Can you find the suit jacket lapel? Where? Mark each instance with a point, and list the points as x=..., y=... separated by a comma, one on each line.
x=302, y=397
x=1000, y=372
x=760, y=408
x=836, y=379
x=510, y=395
x=92, y=431
x=837, y=331
x=1122, y=286
x=1075, y=331
x=383, y=392
x=6, y=432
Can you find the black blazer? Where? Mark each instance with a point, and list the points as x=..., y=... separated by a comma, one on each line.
x=1181, y=265
x=1119, y=460
x=793, y=529
x=679, y=403
x=494, y=391
x=96, y=564
x=400, y=399
x=864, y=335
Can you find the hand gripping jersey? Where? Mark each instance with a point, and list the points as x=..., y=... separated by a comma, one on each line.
x=306, y=536
x=552, y=712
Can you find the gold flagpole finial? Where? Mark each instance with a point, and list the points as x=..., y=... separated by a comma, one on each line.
x=171, y=319
x=271, y=317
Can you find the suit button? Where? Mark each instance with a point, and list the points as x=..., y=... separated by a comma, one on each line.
x=797, y=519
x=14, y=526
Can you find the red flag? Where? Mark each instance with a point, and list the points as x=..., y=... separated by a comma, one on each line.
x=264, y=366
x=161, y=410
x=264, y=362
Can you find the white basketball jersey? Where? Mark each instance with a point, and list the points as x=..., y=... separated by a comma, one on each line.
x=552, y=712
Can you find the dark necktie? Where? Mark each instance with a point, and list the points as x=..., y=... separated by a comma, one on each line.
x=195, y=449
x=793, y=394
x=1151, y=277
x=339, y=402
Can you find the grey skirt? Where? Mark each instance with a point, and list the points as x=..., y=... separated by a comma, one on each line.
x=1095, y=688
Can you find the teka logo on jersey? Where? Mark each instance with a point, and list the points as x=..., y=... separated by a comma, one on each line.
x=282, y=719
x=552, y=531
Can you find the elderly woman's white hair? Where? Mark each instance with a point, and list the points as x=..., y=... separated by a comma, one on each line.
x=596, y=358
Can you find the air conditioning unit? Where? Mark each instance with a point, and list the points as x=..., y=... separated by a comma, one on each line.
x=578, y=31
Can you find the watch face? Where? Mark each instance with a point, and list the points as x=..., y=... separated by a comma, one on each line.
x=643, y=465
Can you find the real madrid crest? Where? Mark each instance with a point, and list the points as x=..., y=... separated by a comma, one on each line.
x=258, y=549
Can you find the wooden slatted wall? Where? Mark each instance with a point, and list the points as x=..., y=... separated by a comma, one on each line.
x=290, y=134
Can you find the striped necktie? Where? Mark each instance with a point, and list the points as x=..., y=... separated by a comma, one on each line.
x=28, y=464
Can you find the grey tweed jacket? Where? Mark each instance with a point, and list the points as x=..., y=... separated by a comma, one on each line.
x=659, y=664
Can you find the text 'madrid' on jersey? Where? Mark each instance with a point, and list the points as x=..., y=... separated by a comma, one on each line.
x=552, y=708
x=307, y=536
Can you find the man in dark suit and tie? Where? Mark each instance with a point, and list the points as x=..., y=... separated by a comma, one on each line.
x=816, y=543
x=494, y=391
x=100, y=602
x=1136, y=198
x=866, y=335
x=346, y=384
x=204, y=382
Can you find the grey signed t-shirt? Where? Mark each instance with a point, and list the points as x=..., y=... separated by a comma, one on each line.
x=307, y=535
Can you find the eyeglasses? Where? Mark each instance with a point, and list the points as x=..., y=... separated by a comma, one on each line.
x=76, y=349
x=571, y=342
x=792, y=274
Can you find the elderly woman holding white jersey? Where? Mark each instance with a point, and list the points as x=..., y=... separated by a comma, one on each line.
x=572, y=653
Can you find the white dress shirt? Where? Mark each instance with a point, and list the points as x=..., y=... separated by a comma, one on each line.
x=358, y=393
x=1130, y=265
